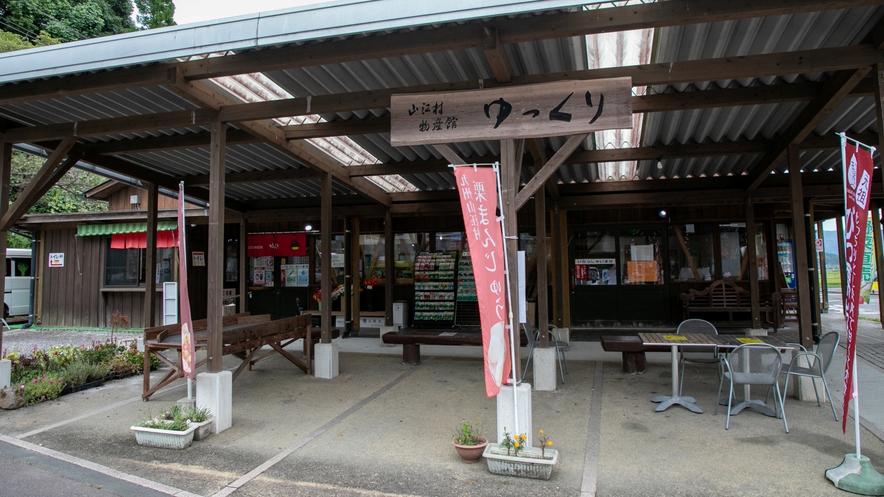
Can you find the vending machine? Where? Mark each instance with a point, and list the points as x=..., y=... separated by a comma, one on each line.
x=786, y=256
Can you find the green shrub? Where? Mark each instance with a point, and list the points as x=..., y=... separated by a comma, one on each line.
x=80, y=372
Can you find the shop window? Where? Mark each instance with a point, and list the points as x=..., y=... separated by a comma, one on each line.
x=337, y=260
x=125, y=267
x=595, y=258
x=405, y=250
x=732, y=238
x=640, y=252
x=691, y=252
x=450, y=241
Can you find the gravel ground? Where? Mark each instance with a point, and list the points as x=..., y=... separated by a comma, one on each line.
x=27, y=340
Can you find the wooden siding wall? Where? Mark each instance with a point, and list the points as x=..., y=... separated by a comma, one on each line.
x=119, y=201
x=70, y=294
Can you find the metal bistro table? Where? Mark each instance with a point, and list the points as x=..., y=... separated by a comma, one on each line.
x=730, y=342
x=675, y=341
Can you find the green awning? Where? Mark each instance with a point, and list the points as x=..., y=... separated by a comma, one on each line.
x=116, y=228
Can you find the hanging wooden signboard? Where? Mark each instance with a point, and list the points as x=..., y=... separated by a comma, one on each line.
x=530, y=111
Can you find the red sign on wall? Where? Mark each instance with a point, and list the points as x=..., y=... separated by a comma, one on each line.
x=278, y=245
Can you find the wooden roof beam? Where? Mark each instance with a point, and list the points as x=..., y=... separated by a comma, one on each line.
x=255, y=176
x=36, y=185
x=820, y=60
x=176, y=142
x=548, y=170
x=341, y=127
x=496, y=56
x=834, y=91
x=205, y=95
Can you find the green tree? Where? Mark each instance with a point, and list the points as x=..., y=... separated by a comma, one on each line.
x=155, y=13
x=66, y=20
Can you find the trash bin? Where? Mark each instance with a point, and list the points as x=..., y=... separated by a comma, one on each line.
x=400, y=313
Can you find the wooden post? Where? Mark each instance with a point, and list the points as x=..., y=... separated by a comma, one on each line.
x=325, y=248
x=244, y=265
x=796, y=191
x=824, y=285
x=753, y=264
x=351, y=292
x=540, y=258
x=150, y=255
x=879, y=258
x=215, y=248
x=389, y=267
x=508, y=167
x=842, y=259
x=5, y=173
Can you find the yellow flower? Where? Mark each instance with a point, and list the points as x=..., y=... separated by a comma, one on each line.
x=541, y=432
x=517, y=445
x=523, y=437
x=548, y=443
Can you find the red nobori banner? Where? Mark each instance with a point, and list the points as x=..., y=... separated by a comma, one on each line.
x=188, y=350
x=478, y=199
x=857, y=165
x=277, y=245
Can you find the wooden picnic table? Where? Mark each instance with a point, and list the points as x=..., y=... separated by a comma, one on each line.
x=243, y=336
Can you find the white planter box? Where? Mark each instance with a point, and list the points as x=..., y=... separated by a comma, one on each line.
x=166, y=439
x=529, y=463
x=203, y=429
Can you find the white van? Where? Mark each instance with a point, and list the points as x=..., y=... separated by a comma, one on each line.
x=18, y=282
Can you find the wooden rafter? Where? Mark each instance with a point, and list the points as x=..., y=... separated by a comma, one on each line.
x=496, y=56
x=834, y=91
x=205, y=95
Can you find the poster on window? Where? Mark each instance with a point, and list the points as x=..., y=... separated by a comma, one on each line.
x=258, y=277
x=287, y=275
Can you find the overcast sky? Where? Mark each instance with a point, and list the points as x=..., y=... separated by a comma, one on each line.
x=188, y=11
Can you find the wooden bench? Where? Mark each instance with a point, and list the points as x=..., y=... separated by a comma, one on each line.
x=411, y=341
x=634, y=361
x=726, y=297
x=243, y=336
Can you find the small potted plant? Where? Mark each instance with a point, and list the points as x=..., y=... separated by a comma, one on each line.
x=513, y=457
x=469, y=442
x=172, y=429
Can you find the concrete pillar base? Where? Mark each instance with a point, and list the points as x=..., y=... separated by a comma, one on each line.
x=186, y=403
x=564, y=334
x=544, y=366
x=387, y=329
x=506, y=416
x=5, y=373
x=325, y=361
x=756, y=332
x=215, y=392
x=139, y=344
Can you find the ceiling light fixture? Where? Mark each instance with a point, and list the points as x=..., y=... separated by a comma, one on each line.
x=659, y=163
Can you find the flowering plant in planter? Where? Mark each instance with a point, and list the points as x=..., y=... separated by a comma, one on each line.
x=369, y=282
x=512, y=457
x=335, y=294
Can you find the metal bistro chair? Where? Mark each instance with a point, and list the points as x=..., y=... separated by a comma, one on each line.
x=697, y=355
x=752, y=364
x=554, y=340
x=817, y=365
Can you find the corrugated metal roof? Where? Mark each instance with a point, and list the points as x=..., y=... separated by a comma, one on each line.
x=263, y=29
x=748, y=37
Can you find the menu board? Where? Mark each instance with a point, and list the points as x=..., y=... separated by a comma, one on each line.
x=467, y=306
x=434, y=287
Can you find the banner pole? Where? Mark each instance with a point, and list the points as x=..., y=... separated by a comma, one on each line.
x=509, y=296
x=856, y=408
